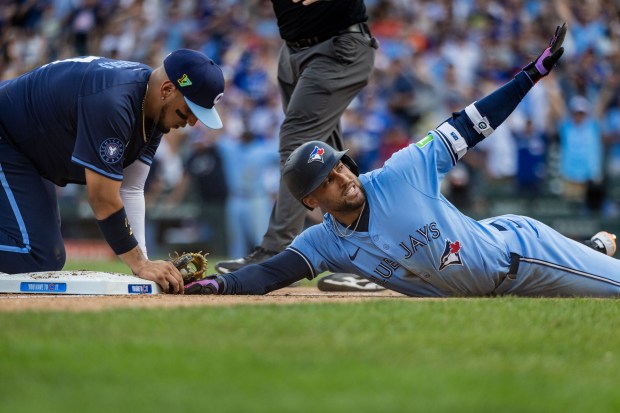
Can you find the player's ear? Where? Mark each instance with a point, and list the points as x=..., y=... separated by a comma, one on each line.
x=167, y=88
x=310, y=202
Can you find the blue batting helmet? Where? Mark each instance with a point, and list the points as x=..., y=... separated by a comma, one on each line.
x=310, y=164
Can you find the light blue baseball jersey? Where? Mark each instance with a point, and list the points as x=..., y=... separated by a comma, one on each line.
x=412, y=240
x=419, y=244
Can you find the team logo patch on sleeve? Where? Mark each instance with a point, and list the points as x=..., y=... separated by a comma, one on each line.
x=316, y=155
x=451, y=254
x=111, y=150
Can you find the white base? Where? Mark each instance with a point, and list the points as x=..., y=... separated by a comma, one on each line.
x=76, y=282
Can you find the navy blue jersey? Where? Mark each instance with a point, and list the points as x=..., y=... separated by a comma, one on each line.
x=79, y=113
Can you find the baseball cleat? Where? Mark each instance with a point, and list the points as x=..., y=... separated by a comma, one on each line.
x=604, y=242
x=258, y=255
x=342, y=282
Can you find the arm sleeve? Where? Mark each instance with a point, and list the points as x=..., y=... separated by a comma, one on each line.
x=275, y=273
x=481, y=118
x=132, y=194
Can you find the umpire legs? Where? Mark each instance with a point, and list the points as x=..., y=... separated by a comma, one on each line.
x=30, y=238
x=317, y=84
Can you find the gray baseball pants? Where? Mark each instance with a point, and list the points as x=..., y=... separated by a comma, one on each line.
x=316, y=85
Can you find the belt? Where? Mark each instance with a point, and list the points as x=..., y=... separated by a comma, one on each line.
x=515, y=260
x=311, y=41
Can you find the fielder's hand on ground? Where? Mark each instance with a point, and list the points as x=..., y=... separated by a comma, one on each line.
x=164, y=274
x=543, y=64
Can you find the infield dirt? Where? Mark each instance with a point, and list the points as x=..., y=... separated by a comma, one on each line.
x=43, y=302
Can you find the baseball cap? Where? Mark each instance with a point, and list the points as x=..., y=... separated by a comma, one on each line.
x=579, y=104
x=200, y=81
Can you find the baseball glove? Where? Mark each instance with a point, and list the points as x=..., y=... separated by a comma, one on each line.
x=191, y=265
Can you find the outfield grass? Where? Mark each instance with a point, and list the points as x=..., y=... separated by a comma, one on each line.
x=457, y=355
x=118, y=266
x=115, y=265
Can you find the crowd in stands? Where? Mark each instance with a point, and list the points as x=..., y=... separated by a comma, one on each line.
x=435, y=57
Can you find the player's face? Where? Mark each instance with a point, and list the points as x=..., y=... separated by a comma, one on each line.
x=340, y=192
x=175, y=114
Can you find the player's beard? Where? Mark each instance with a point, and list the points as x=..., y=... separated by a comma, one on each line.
x=346, y=206
x=165, y=110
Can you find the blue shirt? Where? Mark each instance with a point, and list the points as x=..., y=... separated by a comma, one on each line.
x=79, y=113
x=581, y=150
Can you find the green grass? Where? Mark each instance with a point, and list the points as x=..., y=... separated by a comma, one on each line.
x=118, y=266
x=457, y=355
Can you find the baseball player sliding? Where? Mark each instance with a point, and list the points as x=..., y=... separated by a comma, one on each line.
x=393, y=226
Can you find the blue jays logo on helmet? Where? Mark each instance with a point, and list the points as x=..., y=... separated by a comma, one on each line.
x=309, y=164
x=316, y=155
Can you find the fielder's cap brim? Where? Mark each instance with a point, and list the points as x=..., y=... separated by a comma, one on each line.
x=209, y=117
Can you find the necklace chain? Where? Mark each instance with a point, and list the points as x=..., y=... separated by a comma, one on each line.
x=345, y=233
x=143, y=114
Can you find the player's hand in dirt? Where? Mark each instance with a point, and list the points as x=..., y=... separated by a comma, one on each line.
x=206, y=286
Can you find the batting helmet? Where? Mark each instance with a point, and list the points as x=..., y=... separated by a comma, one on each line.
x=310, y=164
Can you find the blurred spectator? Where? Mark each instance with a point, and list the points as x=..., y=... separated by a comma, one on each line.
x=531, y=150
x=83, y=22
x=394, y=139
x=247, y=163
x=206, y=184
x=403, y=92
x=165, y=190
x=609, y=107
x=581, y=149
x=456, y=186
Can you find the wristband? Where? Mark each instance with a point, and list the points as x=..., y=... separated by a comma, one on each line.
x=117, y=232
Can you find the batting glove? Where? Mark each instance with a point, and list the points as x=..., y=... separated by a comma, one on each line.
x=543, y=64
x=206, y=286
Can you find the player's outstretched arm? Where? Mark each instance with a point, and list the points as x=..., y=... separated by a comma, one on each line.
x=277, y=272
x=485, y=115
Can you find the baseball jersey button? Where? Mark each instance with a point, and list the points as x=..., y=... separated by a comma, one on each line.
x=386, y=247
x=375, y=238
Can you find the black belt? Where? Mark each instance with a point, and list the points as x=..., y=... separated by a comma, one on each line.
x=311, y=41
x=515, y=260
